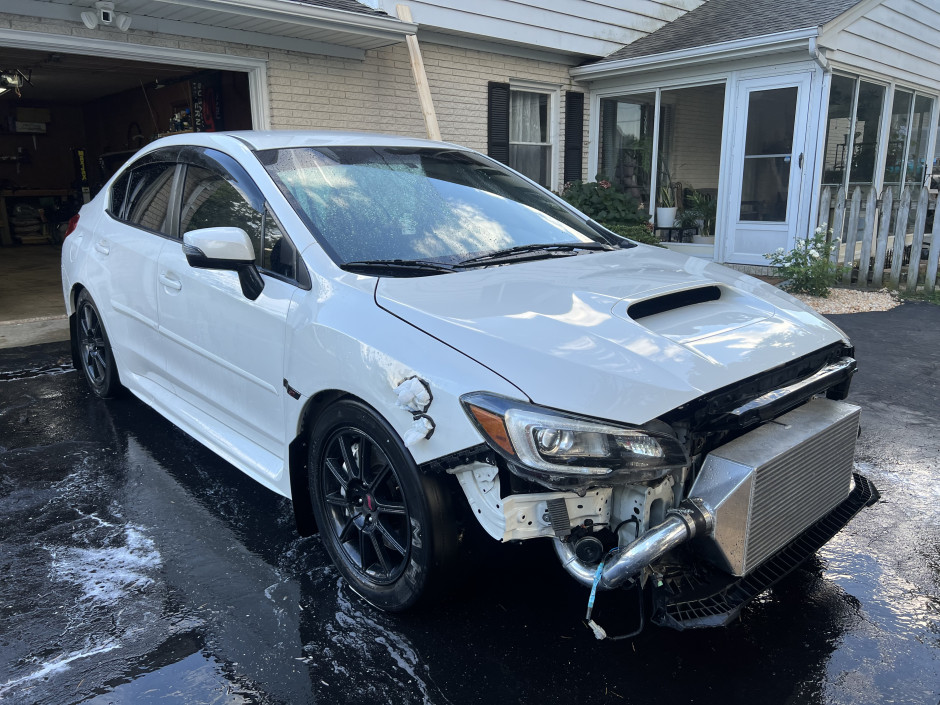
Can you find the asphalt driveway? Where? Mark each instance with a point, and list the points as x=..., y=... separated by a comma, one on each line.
x=138, y=567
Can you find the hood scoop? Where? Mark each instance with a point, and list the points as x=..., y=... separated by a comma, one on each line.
x=673, y=301
x=691, y=315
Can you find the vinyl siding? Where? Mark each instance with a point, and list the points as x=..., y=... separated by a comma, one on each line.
x=896, y=39
x=583, y=27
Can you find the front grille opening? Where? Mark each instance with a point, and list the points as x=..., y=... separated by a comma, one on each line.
x=673, y=301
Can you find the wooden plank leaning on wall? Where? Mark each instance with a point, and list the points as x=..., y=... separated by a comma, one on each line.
x=421, y=78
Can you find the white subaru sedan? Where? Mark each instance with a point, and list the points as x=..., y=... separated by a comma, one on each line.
x=406, y=337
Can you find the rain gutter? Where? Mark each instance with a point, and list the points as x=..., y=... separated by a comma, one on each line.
x=793, y=40
x=379, y=26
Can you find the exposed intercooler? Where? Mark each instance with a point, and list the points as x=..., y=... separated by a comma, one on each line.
x=752, y=496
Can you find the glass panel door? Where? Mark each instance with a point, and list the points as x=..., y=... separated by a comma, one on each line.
x=770, y=135
x=767, y=153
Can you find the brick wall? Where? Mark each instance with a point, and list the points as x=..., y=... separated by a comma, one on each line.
x=309, y=91
x=379, y=94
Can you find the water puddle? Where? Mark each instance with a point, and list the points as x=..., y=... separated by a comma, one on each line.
x=49, y=369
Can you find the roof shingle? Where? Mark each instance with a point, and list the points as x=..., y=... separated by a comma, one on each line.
x=719, y=21
x=345, y=5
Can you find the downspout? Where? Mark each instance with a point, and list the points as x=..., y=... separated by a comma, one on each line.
x=817, y=54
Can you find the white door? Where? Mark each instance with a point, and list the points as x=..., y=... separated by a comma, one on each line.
x=127, y=244
x=225, y=353
x=768, y=163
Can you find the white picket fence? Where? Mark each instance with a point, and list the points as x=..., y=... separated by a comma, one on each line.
x=882, y=239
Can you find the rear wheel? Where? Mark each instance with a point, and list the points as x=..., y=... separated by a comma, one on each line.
x=384, y=524
x=94, y=349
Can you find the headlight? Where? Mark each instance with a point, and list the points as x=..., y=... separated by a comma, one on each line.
x=558, y=445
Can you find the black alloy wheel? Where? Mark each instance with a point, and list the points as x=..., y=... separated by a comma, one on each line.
x=94, y=349
x=366, y=505
x=383, y=523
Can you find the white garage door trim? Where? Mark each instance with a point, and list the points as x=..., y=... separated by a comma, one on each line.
x=255, y=68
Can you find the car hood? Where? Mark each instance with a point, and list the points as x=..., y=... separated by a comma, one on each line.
x=569, y=334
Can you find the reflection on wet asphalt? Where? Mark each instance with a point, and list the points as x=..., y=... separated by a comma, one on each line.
x=138, y=567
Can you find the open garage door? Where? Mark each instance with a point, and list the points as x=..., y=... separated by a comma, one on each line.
x=71, y=123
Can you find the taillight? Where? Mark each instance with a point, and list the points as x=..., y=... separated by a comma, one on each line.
x=73, y=223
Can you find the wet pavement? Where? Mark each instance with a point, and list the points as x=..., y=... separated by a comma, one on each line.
x=137, y=567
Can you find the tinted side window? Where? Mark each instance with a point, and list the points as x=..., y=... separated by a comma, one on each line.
x=211, y=201
x=119, y=194
x=148, y=196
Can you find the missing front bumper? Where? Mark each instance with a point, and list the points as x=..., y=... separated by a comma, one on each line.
x=702, y=596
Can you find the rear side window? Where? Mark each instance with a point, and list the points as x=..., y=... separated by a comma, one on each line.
x=148, y=196
x=119, y=195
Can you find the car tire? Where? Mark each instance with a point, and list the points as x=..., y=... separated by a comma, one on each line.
x=385, y=525
x=94, y=349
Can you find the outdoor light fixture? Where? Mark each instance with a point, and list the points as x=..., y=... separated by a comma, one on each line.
x=106, y=17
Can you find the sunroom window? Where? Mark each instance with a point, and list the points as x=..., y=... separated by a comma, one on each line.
x=853, y=134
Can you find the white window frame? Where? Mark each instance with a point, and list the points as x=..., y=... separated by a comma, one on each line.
x=881, y=155
x=890, y=88
x=656, y=88
x=553, y=91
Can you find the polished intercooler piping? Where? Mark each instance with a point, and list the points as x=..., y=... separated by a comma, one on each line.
x=691, y=518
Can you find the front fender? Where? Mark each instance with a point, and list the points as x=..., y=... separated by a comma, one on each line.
x=345, y=342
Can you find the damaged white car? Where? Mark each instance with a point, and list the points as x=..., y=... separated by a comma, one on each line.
x=401, y=334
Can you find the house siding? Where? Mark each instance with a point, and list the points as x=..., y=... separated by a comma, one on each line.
x=378, y=94
x=896, y=39
x=580, y=27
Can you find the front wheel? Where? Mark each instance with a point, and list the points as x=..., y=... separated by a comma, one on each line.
x=94, y=349
x=384, y=524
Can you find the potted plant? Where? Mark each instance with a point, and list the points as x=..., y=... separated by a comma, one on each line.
x=666, y=204
x=705, y=208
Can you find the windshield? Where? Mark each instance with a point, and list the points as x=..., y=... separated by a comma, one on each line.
x=390, y=203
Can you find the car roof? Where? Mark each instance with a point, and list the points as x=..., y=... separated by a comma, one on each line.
x=276, y=139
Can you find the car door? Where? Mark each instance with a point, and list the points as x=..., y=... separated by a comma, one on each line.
x=225, y=353
x=123, y=266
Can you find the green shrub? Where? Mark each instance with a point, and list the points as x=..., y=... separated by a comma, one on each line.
x=604, y=202
x=640, y=233
x=806, y=268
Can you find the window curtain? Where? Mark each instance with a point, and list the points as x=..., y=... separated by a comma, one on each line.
x=525, y=124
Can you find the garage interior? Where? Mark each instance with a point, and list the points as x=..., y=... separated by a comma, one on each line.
x=67, y=124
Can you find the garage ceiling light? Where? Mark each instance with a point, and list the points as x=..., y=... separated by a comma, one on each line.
x=104, y=15
x=13, y=80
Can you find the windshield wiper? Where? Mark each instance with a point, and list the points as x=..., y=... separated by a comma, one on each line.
x=543, y=250
x=400, y=267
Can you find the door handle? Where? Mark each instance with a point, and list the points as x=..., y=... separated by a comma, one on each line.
x=103, y=246
x=170, y=281
x=801, y=160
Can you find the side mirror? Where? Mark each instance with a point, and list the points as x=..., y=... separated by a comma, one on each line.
x=225, y=248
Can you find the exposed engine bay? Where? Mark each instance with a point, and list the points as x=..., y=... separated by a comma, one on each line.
x=764, y=480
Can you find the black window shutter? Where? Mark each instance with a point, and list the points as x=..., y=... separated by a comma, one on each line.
x=574, y=135
x=497, y=143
